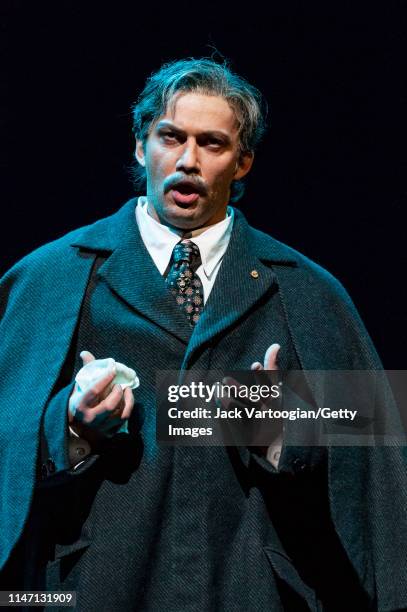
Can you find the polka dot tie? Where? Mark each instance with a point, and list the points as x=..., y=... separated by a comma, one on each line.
x=183, y=282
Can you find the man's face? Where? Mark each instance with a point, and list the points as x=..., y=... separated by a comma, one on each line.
x=191, y=157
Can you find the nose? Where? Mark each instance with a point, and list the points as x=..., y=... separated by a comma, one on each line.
x=188, y=160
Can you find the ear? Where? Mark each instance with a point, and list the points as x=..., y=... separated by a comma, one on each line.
x=139, y=153
x=243, y=165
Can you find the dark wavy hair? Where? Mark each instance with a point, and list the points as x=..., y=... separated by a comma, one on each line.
x=204, y=76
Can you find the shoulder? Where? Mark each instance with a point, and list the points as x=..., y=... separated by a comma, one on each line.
x=56, y=255
x=63, y=264
x=46, y=271
x=41, y=264
x=303, y=269
x=314, y=299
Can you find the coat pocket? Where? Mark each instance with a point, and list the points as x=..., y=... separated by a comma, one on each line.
x=294, y=593
x=62, y=550
x=63, y=572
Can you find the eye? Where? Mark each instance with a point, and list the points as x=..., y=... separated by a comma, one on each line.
x=169, y=137
x=214, y=143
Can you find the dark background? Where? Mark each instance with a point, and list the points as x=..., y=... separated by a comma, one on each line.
x=330, y=177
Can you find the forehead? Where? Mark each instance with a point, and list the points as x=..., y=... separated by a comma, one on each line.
x=196, y=112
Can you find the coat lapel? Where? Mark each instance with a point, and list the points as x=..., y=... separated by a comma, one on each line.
x=131, y=273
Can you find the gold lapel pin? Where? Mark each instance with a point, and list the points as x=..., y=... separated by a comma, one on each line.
x=254, y=274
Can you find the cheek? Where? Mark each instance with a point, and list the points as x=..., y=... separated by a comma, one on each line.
x=222, y=179
x=162, y=166
x=221, y=171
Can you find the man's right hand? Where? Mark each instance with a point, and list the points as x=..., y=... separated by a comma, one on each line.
x=99, y=412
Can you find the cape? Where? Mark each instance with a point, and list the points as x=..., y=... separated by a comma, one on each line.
x=45, y=290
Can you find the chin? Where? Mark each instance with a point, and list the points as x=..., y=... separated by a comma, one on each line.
x=185, y=222
x=184, y=218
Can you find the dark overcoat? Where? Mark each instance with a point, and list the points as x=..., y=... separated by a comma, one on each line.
x=150, y=528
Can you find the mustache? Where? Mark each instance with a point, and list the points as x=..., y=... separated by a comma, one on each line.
x=179, y=179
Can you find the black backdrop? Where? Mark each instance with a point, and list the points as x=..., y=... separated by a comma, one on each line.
x=329, y=179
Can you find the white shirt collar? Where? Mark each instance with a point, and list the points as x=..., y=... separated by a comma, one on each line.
x=160, y=240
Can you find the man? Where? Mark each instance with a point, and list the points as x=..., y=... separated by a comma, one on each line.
x=180, y=281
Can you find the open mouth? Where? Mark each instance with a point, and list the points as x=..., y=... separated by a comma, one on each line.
x=185, y=193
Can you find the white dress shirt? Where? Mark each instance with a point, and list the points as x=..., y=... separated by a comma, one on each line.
x=160, y=241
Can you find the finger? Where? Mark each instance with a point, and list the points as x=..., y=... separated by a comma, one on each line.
x=128, y=403
x=106, y=407
x=256, y=366
x=86, y=357
x=114, y=401
x=270, y=358
x=97, y=389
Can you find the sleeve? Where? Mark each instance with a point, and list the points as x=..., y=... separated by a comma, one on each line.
x=54, y=445
x=61, y=454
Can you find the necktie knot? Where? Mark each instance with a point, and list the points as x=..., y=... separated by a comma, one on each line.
x=186, y=251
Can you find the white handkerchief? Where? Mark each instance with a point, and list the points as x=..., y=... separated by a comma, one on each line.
x=96, y=369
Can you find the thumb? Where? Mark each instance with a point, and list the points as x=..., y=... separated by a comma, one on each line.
x=86, y=357
x=270, y=358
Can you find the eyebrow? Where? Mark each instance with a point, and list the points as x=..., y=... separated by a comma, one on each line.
x=206, y=133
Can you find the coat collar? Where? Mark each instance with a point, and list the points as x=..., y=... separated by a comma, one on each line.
x=244, y=278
